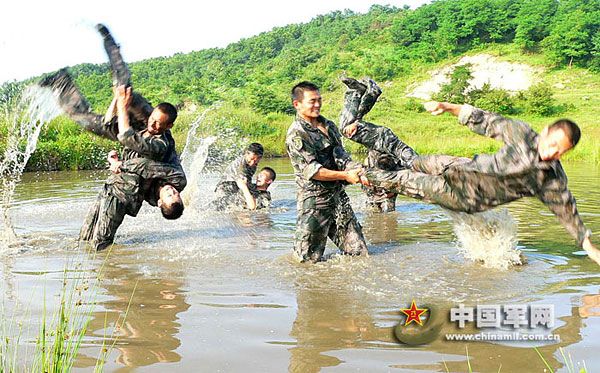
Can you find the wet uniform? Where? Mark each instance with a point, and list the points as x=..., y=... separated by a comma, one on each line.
x=359, y=99
x=323, y=206
x=227, y=194
x=122, y=193
x=489, y=180
x=378, y=198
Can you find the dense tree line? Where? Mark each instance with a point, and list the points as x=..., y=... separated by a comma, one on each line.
x=382, y=43
x=386, y=43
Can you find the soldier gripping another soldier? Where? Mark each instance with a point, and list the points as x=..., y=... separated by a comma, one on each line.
x=321, y=169
x=235, y=189
x=150, y=169
x=528, y=164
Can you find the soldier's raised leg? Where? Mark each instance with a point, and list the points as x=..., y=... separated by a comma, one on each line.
x=118, y=67
x=430, y=188
x=359, y=99
x=437, y=164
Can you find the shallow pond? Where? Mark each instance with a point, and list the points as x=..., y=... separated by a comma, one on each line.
x=219, y=291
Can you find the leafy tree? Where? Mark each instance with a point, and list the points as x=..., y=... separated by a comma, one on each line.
x=455, y=90
x=533, y=22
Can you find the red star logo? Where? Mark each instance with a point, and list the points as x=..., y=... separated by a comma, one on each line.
x=413, y=314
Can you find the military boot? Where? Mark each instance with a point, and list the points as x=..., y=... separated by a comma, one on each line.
x=120, y=71
x=369, y=97
x=352, y=100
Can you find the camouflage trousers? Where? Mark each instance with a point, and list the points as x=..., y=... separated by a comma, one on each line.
x=73, y=103
x=103, y=219
x=359, y=99
x=383, y=140
x=336, y=221
x=426, y=181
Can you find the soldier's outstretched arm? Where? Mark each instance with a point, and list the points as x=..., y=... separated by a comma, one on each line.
x=149, y=169
x=562, y=203
x=482, y=122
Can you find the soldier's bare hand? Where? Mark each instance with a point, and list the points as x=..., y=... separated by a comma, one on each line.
x=123, y=95
x=353, y=176
x=591, y=250
x=434, y=107
x=115, y=167
x=350, y=130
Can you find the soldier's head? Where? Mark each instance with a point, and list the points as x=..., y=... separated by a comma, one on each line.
x=162, y=118
x=253, y=154
x=170, y=202
x=557, y=139
x=265, y=178
x=307, y=100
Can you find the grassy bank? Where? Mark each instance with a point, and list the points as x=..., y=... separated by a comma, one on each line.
x=64, y=146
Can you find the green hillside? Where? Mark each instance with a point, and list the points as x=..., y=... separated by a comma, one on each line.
x=396, y=47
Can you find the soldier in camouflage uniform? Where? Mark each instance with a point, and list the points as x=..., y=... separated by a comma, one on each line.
x=386, y=150
x=132, y=182
x=322, y=168
x=527, y=166
x=380, y=199
x=141, y=129
x=236, y=181
x=258, y=197
x=359, y=99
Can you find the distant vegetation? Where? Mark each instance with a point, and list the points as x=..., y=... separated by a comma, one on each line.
x=252, y=77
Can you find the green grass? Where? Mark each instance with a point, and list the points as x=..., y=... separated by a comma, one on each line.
x=61, y=333
x=64, y=146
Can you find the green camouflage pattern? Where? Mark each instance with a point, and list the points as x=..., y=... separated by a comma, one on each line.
x=359, y=99
x=324, y=209
x=489, y=180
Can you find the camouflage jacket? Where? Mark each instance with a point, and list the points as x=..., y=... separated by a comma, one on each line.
x=309, y=150
x=514, y=172
x=378, y=194
x=238, y=169
x=142, y=179
x=263, y=198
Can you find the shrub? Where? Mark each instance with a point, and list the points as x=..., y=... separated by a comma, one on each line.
x=494, y=100
x=539, y=100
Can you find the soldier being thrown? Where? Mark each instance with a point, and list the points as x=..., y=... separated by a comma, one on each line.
x=321, y=168
x=133, y=181
x=386, y=150
x=528, y=165
x=140, y=128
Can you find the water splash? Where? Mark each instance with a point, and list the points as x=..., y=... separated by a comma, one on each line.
x=194, y=156
x=489, y=237
x=213, y=141
x=25, y=116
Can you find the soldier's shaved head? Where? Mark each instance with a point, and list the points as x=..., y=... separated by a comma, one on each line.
x=570, y=129
x=299, y=89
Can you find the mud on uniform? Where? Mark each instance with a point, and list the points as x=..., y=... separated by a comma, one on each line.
x=489, y=180
x=323, y=206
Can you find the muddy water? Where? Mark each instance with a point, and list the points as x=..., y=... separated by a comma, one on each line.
x=219, y=291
